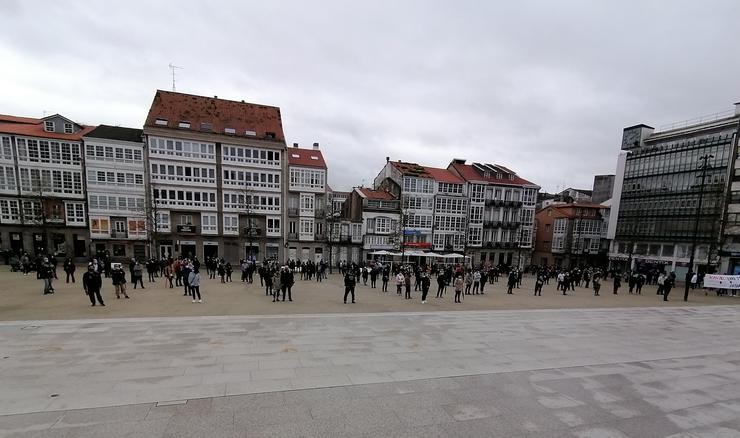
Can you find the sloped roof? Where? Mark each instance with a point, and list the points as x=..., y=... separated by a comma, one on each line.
x=375, y=194
x=34, y=128
x=17, y=119
x=211, y=114
x=469, y=173
x=306, y=158
x=417, y=170
x=116, y=133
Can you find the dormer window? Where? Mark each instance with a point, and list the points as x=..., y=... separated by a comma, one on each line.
x=69, y=128
x=230, y=131
x=49, y=126
x=250, y=133
x=270, y=135
x=206, y=127
x=161, y=122
x=314, y=157
x=184, y=125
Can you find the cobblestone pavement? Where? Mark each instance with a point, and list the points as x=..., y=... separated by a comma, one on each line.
x=622, y=372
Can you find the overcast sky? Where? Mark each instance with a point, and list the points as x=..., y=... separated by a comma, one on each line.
x=542, y=87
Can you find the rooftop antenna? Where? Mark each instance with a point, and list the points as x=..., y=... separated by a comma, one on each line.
x=173, y=67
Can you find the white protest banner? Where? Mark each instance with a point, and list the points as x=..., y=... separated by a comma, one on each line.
x=722, y=281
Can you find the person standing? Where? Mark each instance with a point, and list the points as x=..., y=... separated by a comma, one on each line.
x=661, y=282
x=399, y=282
x=617, y=283
x=596, y=284
x=425, y=283
x=385, y=278
x=276, y=285
x=512, y=282
x=194, y=282
x=266, y=279
x=44, y=272
x=468, y=282
x=373, y=277
x=483, y=280
x=441, y=284
x=459, y=284
x=668, y=285
x=118, y=277
x=286, y=282
x=69, y=269
x=26, y=263
x=138, y=275
x=349, y=285
x=407, y=284
x=91, y=284
x=476, y=282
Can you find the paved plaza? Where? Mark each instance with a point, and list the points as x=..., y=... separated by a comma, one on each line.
x=619, y=372
x=22, y=299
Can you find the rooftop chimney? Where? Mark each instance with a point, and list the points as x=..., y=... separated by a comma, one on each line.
x=295, y=145
x=387, y=159
x=316, y=146
x=215, y=97
x=737, y=108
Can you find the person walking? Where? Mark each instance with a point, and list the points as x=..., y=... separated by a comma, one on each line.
x=483, y=280
x=118, y=277
x=538, y=285
x=596, y=284
x=661, y=283
x=373, y=277
x=407, y=284
x=468, y=282
x=458, y=284
x=91, y=284
x=476, y=282
x=69, y=269
x=194, y=284
x=385, y=278
x=26, y=263
x=617, y=283
x=349, y=285
x=425, y=283
x=229, y=269
x=186, y=268
x=276, y=285
x=266, y=279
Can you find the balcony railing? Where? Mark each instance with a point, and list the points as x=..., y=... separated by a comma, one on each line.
x=292, y=236
x=292, y=211
x=119, y=234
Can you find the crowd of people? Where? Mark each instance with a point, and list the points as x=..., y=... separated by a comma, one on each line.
x=278, y=280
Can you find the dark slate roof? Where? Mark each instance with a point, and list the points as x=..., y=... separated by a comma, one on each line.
x=116, y=133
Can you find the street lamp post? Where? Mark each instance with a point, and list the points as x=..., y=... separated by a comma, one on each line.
x=690, y=273
x=332, y=219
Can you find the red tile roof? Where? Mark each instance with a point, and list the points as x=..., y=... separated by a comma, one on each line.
x=375, y=194
x=469, y=173
x=37, y=130
x=217, y=114
x=439, y=175
x=17, y=119
x=306, y=158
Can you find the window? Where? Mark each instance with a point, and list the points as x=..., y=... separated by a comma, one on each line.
x=184, y=125
x=163, y=221
x=100, y=225
x=476, y=214
x=69, y=128
x=231, y=224
x=186, y=219
x=119, y=226
x=9, y=211
x=306, y=228
x=49, y=126
x=307, y=179
x=208, y=223
x=273, y=226
x=383, y=225
x=7, y=178
x=161, y=122
x=477, y=192
x=230, y=131
x=75, y=213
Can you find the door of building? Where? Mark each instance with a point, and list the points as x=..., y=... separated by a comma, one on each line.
x=318, y=255
x=16, y=243
x=251, y=252
x=210, y=249
x=187, y=250
x=165, y=251
x=80, y=245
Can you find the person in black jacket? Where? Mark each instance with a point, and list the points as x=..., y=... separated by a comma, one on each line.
x=69, y=268
x=119, y=280
x=286, y=282
x=349, y=285
x=91, y=283
x=425, y=283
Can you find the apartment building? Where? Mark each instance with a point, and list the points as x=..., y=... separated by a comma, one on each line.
x=570, y=235
x=307, y=202
x=116, y=191
x=657, y=189
x=501, y=214
x=379, y=214
x=215, y=168
x=42, y=198
x=434, y=205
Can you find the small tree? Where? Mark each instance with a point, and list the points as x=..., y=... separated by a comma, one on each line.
x=250, y=231
x=40, y=209
x=151, y=212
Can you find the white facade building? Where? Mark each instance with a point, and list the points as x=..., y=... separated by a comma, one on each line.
x=116, y=193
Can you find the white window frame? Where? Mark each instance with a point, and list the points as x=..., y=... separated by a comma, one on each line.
x=49, y=126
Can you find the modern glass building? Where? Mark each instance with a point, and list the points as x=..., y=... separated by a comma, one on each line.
x=657, y=189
